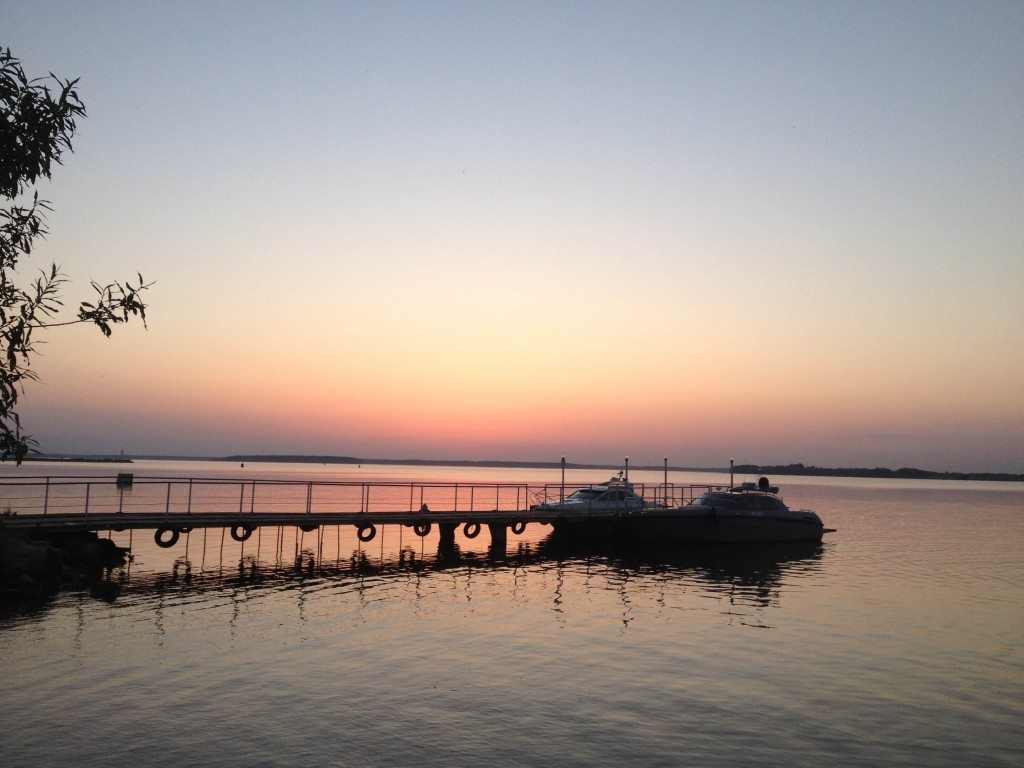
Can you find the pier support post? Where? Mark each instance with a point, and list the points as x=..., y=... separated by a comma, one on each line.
x=499, y=539
x=446, y=544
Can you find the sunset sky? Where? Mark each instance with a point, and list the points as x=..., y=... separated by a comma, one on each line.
x=776, y=232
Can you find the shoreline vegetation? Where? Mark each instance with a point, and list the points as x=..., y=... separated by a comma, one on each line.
x=904, y=473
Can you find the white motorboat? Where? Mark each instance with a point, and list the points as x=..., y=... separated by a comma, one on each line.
x=615, y=495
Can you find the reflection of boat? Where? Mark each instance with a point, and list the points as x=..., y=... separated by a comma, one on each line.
x=742, y=563
x=615, y=495
x=751, y=574
x=747, y=513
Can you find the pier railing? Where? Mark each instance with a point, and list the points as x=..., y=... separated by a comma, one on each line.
x=45, y=495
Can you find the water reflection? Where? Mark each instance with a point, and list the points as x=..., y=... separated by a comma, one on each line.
x=751, y=576
x=283, y=560
x=747, y=575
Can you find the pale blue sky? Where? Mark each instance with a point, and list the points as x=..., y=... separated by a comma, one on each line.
x=838, y=182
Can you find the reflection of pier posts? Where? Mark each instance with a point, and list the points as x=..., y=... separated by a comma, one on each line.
x=499, y=539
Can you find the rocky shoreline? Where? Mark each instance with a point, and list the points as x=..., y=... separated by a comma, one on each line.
x=37, y=565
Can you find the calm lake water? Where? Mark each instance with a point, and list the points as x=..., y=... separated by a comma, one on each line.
x=897, y=642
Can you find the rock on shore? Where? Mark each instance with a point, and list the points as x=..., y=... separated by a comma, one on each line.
x=35, y=565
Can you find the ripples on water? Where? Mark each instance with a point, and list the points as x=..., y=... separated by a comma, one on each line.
x=897, y=642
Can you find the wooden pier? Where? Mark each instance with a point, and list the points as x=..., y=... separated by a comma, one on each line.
x=172, y=505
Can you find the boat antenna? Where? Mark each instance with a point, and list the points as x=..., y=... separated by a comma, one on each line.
x=562, y=492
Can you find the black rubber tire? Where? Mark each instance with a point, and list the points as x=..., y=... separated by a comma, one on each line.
x=471, y=530
x=518, y=527
x=422, y=528
x=366, y=532
x=161, y=539
x=241, y=532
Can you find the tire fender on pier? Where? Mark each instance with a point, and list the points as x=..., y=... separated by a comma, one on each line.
x=518, y=527
x=240, y=532
x=422, y=528
x=366, y=532
x=166, y=537
x=471, y=530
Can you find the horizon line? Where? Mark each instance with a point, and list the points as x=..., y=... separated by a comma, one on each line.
x=794, y=468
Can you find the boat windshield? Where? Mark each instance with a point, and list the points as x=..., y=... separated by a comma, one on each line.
x=585, y=494
x=723, y=500
x=712, y=499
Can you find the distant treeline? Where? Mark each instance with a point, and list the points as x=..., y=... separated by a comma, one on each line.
x=86, y=459
x=904, y=473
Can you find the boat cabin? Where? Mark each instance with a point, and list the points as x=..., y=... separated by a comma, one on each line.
x=612, y=495
x=757, y=502
x=757, y=497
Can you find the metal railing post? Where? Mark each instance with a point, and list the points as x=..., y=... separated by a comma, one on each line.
x=189, y=496
x=167, y=503
x=88, y=486
x=252, y=498
x=46, y=497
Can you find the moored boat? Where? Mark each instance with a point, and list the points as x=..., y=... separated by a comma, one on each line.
x=615, y=495
x=746, y=513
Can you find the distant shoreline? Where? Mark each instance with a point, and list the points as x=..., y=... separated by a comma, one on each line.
x=880, y=473
x=79, y=459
